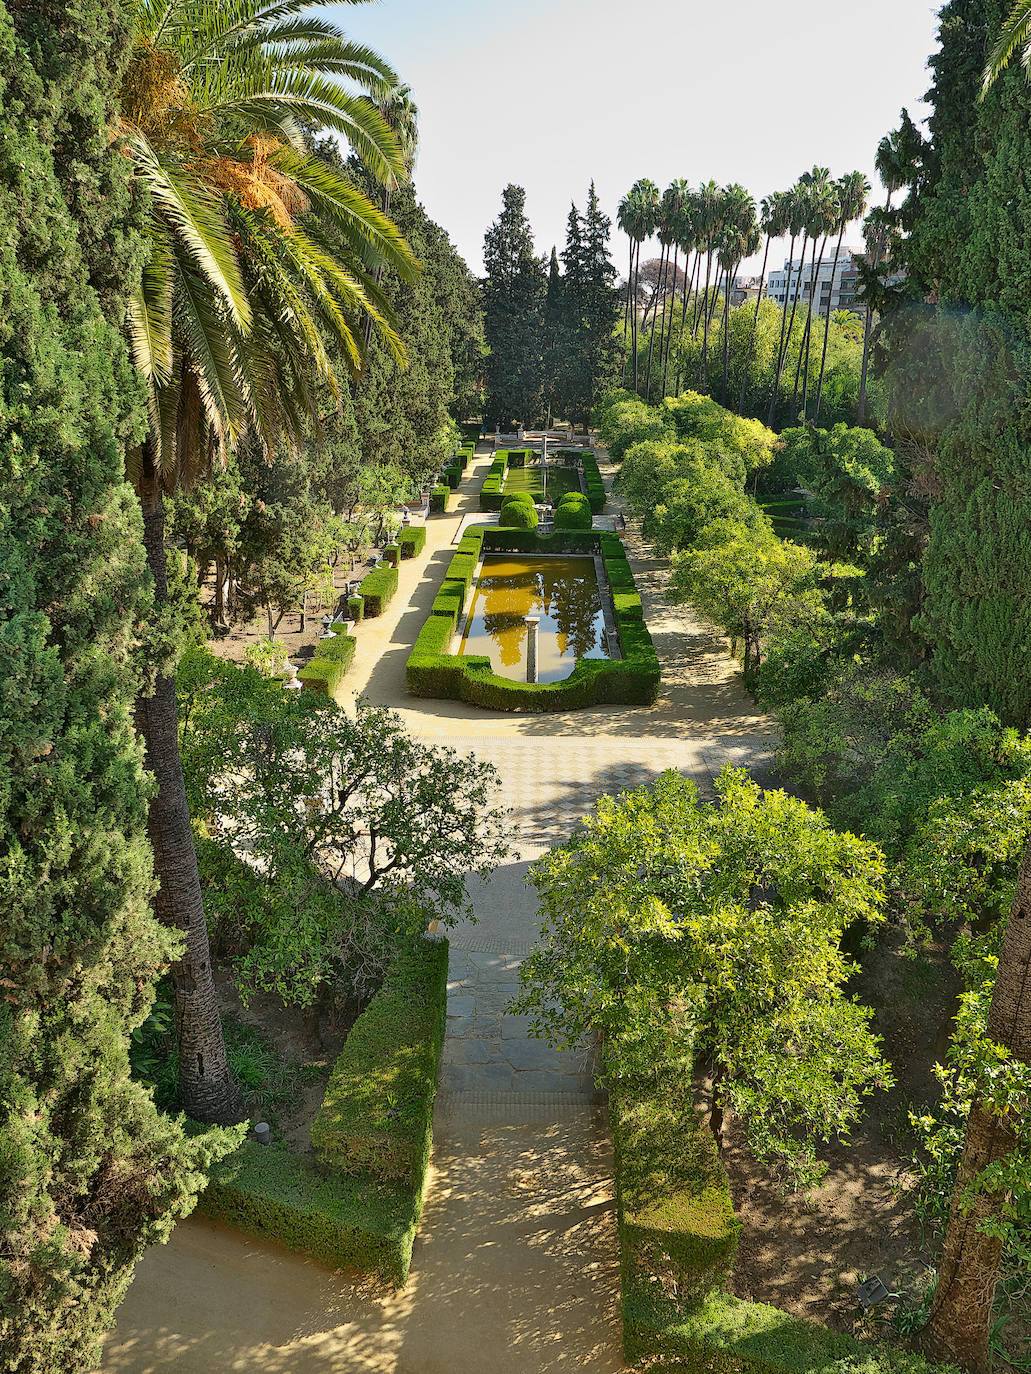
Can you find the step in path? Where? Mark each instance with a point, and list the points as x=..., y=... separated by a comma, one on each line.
x=516, y=1267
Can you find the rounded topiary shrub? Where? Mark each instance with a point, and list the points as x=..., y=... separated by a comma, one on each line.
x=518, y=515
x=516, y=498
x=573, y=512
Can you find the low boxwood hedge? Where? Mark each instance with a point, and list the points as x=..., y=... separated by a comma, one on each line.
x=592, y=476
x=678, y=1238
x=412, y=540
x=451, y=475
x=440, y=495
x=433, y=672
x=377, y=1114
x=359, y=1208
x=333, y=657
x=392, y=554
x=377, y=587
x=347, y=1223
x=493, y=483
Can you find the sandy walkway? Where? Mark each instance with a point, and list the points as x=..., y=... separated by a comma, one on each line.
x=516, y=1266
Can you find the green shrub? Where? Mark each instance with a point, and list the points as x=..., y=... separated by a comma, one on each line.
x=493, y=483
x=439, y=497
x=412, y=540
x=518, y=515
x=356, y=607
x=451, y=475
x=392, y=554
x=517, y=457
x=377, y=1114
x=377, y=587
x=347, y=1223
x=573, y=512
x=333, y=657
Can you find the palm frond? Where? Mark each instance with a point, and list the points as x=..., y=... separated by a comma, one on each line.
x=1015, y=33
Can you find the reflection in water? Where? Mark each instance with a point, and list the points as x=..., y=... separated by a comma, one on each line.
x=562, y=591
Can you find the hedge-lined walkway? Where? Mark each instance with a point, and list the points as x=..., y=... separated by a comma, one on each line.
x=516, y=1266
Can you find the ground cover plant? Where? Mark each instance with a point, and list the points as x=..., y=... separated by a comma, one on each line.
x=433, y=671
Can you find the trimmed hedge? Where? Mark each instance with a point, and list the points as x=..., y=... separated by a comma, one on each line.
x=592, y=476
x=451, y=475
x=373, y=1131
x=490, y=491
x=518, y=515
x=433, y=672
x=377, y=587
x=333, y=657
x=392, y=554
x=439, y=497
x=573, y=512
x=412, y=540
x=356, y=607
x=377, y=1114
x=347, y=1223
x=678, y=1236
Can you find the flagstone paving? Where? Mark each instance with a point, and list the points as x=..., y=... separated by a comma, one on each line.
x=516, y=1266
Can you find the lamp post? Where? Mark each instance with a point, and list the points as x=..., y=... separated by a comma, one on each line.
x=532, y=623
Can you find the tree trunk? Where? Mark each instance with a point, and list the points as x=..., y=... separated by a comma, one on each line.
x=705, y=321
x=629, y=283
x=726, y=336
x=633, y=316
x=659, y=289
x=220, y=593
x=755, y=328
x=688, y=287
x=785, y=331
x=815, y=305
x=669, y=331
x=861, y=409
x=206, y=1088
x=827, y=327
x=960, y=1322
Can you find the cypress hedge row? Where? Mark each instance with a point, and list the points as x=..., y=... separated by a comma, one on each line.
x=434, y=672
x=360, y=1207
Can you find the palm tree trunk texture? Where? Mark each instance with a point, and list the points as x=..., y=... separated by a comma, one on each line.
x=659, y=295
x=827, y=328
x=633, y=311
x=959, y=1326
x=817, y=264
x=785, y=338
x=861, y=408
x=689, y=287
x=755, y=327
x=206, y=1088
x=669, y=329
x=705, y=321
x=805, y=332
x=726, y=336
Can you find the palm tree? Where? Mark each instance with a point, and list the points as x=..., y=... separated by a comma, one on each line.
x=896, y=155
x=400, y=114
x=741, y=239
x=1015, y=33
x=664, y=230
x=625, y=222
x=853, y=190
x=823, y=200
x=796, y=208
x=712, y=213
x=773, y=222
x=676, y=198
x=244, y=276
x=689, y=234
x=642, y=210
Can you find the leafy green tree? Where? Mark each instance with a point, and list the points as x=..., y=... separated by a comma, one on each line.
x=90, y=1174
x=677, y=490
x=752, y=584
x=852, y=193
x=315, y=798
x=513, y=298
x=708, y=937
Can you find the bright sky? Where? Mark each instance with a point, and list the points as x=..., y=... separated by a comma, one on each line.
x=550, y=93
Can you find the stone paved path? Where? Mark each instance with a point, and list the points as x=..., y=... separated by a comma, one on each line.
x=516, y=1266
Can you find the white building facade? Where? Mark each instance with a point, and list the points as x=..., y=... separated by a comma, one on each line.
x=834, y=290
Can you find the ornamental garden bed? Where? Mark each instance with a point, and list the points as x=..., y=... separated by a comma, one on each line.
x=434, y=671
x=512, y=471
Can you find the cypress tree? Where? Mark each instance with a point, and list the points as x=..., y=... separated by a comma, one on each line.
x=513, y=298
x=89, y=1173
x=960, y=370
x=590, y=311
x=555, y=344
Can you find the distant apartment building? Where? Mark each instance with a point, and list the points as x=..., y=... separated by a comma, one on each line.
x=834, y=290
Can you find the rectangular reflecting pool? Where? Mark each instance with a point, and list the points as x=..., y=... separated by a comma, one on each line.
x=564, y=592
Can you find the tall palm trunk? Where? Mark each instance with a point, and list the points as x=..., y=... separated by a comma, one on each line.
x=206, y=1088
x=731, y=273
x=961, y=1314
x=809, y=330
x=633, y=312
x=669, y=328
x=803, y=349
x=705, y=321
x=861, y=409
x=755, y=328
x=699, y=297
x=689, y=286
x=785, y=338
x=629, y=280
x=659, y=297
x=827, y=326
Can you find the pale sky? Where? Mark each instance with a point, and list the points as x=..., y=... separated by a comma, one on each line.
x=550, y=93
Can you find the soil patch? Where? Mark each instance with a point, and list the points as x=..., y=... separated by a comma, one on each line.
x=807, y=1255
